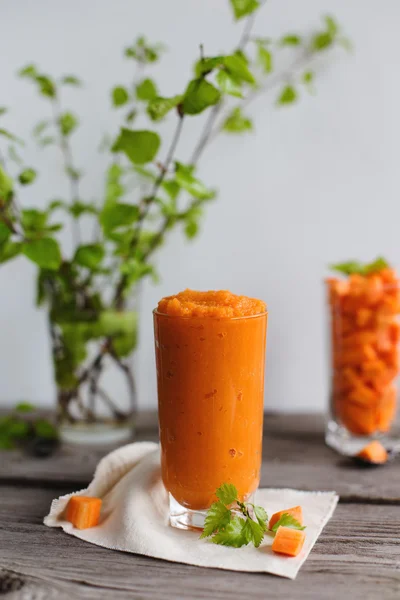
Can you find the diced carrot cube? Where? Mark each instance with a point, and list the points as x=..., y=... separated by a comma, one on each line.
x=83, y=512
x=288, y=541
x=375, y=289
x=358, y=419
x=363, y=395
x=374, y=452
x=363, y=315
x=296, y=512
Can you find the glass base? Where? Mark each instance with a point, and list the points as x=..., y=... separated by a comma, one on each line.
x=96, y=433
x=185, y=518
x=347, y=443
x=192, y=520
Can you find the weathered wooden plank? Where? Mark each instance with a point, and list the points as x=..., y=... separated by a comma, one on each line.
x=357, y=557
x=294, y=455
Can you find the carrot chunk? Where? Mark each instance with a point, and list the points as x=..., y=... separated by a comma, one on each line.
x=288, y=541
x=83, y=512
x=374, y=452
x=295, y=512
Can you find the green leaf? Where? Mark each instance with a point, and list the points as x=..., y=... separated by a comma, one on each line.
x=9, y=250
x=40, y=127
x=199, y=95
x=321, y=41
x=234, y=534
x=46, y=141
x=45, y=429
x=331, y=25
x=118, y=215
x=89, y=255
x=261, y=516
x=27, y=176
x=28, y=71
x=119, y=95
x=159, y=107
x=71, y=80
x=354, y=267
x=228, y=84
x=218, y=517
x=227, y=493
x=3, y=110
x=287, y=520
x=6, y=442
x=10, y=136
x=146, y=90
x=73, y=173
x=290, y=39
x=254, y=532
x=237, y=122
x=287, y=96
x=186, y=180
x=308, y=77
x=46, y=86
x=6, y=185
x=207, y=64
x=67, y=123
x=237, y=67
x=131, y=116
x=4, y=232
x=171, y=187
x=45, y=252
x=377, y=265
x=78, y=208
x=33, y=219
x=139, y=146
x=242, y=8
x=348, y=268
x=14, y=156
x=264, y=57
x=18, y=429
x=24, y=407
x=191, y=229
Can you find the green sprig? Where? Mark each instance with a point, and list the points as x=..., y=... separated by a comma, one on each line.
x=225, y=526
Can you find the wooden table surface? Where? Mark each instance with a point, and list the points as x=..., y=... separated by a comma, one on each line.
x=356, y=557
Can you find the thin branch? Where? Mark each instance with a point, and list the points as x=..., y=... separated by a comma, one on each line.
x=69, y=167
x=215, y=111
x=271, y=82
x=148, y=202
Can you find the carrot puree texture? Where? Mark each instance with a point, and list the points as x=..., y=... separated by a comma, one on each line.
x=365, y=335
x=210, y=355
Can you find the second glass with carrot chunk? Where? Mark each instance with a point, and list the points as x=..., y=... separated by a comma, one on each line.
x=364, y=337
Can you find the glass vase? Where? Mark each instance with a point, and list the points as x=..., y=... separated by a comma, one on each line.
x=364, y=334
x=94, y=374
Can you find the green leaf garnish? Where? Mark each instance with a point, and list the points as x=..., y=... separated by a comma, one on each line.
x=354, y=267
x=227, y=493
x=234, y=534
x=218, y=517
x=226, y=527
x=287, y=520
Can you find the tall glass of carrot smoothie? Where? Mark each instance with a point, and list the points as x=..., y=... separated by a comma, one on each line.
x=210, y=356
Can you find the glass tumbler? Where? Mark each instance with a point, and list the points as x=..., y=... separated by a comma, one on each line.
x=364, y=360
x=210, y=378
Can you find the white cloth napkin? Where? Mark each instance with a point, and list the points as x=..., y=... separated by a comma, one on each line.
x=134, y=517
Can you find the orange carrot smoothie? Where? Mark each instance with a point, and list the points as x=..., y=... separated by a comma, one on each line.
x=210, y=355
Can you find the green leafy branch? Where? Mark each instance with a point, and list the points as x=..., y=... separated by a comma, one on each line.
x=230, y=522
x=144, y=196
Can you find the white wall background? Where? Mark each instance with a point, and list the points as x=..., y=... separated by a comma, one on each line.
x=317, y=183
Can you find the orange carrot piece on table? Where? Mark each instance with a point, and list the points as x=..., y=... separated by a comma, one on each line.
x=374, y=452
x=83, y=512
x=295, y=511
x=288, y=541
